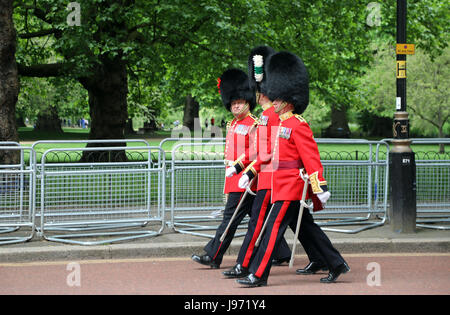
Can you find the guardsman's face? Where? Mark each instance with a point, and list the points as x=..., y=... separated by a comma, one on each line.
x=281, y=106
x=263, y=99
x=238, y=107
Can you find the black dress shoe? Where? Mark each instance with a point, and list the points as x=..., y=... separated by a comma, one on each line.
x=279, y=261
x=335, y=273
x=236, y=272
x=252, y=281
x=205, y=260
x=312, y=268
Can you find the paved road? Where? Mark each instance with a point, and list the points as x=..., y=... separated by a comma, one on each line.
x=370, y=274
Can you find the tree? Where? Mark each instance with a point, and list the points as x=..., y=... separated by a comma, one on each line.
x=115, y=36
x=427, y=88
x=90, y=53
x=9, y=83
x=182, y=46
x=331, y=37
x=38, y=95
x=427, y=25
x=191, y=110
x=428, y=85
x=336, y=42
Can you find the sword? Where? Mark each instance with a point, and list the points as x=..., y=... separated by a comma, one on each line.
x=303, y=204
x=247, y=190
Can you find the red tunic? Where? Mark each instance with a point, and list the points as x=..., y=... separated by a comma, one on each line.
x=295, y=148
x=238, y=151
x=262, y=166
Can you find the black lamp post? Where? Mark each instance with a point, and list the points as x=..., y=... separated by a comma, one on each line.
x=402, y=165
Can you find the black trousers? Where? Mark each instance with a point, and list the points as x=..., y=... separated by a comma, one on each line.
x=260, y=209
x=215, y=248
x=284, y=214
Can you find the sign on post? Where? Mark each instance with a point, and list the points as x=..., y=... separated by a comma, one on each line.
x=405, y=49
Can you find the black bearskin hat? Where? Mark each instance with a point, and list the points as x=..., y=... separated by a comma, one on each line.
x=257, y=63
x=233, y=85
x=287, y=80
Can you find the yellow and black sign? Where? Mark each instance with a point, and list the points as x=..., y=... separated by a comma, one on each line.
x=405, y=49
x=401, y=69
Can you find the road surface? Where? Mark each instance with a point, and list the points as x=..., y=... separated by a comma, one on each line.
x=403, y=274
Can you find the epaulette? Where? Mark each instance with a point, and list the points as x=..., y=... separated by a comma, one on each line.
x=229, y=124
x=300, y=118
x=256, y=119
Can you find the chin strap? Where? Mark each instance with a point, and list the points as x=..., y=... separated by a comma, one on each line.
x=243, y=110
x=283, y=105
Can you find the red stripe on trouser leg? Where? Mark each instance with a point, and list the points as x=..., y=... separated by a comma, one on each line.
x=272, y=240
x=218, y=249
x=258, y=227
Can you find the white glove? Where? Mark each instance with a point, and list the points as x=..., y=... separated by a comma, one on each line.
x=243, y=181
x=323, y=197
x=230, y=171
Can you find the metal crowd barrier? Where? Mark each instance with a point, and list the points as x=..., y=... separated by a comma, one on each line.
x=359, y=186
x=358, y=182
x=196, y=175
x=17, y=191
x=433, y=186
x=78, y=197
x=51, y=191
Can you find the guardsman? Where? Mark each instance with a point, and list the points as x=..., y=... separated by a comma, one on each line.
x=295, y=149
x=238, y=98
x=260, y=167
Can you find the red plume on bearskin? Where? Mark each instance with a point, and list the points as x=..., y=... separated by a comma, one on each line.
x=218, y=84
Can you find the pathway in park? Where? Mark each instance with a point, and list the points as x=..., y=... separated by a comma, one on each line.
x=405, y=274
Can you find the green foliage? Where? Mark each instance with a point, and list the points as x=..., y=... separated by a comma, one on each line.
x=429, y=93
x=427, y=90
x=179, y=47
x=427, y=24
x=38, y=94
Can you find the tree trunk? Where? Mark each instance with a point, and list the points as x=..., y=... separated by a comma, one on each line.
x=339, y=123
x=129, y=127
x=441, y=135
x=107, y=90
x=9, y=82
x=191, y=109
x=48, y=120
